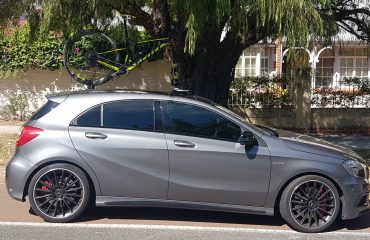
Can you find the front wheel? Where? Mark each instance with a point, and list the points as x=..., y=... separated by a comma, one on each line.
x=59, y=193
x=310, y=204
x=91, y=57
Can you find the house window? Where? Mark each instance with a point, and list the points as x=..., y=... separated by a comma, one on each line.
x=250, y=66
x=362, y=67
x=325, y=70
x=264, y=66
x=239, y=68
x=346, y=67
x=250, y=58
x=253, y=62
x=354, y=62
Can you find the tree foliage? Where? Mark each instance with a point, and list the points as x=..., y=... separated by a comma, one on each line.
x=208, y=35
x=18, y=52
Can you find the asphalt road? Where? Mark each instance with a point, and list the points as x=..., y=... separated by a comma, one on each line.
x=17, y=222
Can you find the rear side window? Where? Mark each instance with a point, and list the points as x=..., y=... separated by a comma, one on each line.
x=131, y=115
x=45, y=109
x=91, y=118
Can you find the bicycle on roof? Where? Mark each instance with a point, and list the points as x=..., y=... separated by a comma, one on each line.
x=93, y=58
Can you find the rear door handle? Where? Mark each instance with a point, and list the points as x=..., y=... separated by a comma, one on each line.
x=95, y=135
x=185, y=144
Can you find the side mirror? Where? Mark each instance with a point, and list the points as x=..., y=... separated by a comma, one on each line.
x=248, y=139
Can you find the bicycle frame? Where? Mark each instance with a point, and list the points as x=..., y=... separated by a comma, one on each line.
x=127, y=56
x=137, y=63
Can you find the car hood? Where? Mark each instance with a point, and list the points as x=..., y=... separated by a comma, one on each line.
x=304, y=143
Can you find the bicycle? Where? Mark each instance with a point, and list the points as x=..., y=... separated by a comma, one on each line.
x=92, y=58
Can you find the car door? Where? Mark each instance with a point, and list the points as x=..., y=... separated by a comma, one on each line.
x=122, y=144
x=207, y=162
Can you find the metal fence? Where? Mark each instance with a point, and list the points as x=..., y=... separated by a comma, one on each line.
x=261, y=92
x=265, y=92
x=352, y=92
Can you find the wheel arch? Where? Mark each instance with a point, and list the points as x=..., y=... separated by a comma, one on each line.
x=93, y=182
x=283, y=187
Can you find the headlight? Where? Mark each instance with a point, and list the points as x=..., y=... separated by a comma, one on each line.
x=356, y=169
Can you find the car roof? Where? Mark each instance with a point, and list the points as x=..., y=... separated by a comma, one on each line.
x=155, y=94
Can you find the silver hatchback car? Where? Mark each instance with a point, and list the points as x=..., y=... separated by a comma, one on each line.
x=130, y=148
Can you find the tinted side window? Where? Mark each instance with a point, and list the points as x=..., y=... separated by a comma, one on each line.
x=133, y=114
x=91, y=118
x=196, y=121
x=48, y=107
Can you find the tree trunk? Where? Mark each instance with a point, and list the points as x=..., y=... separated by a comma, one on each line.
x=210, y=71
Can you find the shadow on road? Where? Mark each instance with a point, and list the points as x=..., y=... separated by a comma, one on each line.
x=360, y=223
x=168, y=214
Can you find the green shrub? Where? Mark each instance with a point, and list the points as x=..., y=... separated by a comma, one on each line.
x=19, y=53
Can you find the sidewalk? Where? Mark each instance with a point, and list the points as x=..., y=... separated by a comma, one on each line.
x=2, y=174
x=351, y=141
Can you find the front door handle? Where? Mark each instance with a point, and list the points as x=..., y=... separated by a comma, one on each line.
x=185, y=144
x=95, y=135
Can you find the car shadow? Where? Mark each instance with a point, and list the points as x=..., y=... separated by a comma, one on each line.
x=184, y=215
x=359, y=223
x=172, y=214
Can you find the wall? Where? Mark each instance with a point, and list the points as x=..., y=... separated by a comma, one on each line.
x=323, y=120
x=154, y=76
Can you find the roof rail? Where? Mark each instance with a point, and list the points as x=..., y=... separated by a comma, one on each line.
x=179, y=92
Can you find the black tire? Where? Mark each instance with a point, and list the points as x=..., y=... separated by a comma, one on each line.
x=82, y=65
x=310, y=204
x=59, y=193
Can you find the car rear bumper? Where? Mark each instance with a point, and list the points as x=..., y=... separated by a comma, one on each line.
x=355, y=198
x=16, y=175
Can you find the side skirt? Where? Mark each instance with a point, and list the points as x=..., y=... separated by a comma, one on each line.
x=106, y=201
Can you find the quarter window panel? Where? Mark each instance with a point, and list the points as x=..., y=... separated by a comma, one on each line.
x=91, y=118
x=131, y=115
x=196, y=121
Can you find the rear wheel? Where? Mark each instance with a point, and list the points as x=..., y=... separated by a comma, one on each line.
x=90, y=56
x=310, y=204
x=59, y=193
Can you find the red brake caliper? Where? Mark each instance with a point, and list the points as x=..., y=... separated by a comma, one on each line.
x=44, y=187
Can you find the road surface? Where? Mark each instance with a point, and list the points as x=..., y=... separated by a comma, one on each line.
x=17, y=222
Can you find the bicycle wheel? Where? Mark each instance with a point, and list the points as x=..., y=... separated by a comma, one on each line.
x=91, y=58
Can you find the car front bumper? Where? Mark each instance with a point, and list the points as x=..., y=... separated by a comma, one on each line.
x=355, y=198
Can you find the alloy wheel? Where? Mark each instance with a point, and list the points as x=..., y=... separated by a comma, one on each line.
x=58, y=193
x=312, y=204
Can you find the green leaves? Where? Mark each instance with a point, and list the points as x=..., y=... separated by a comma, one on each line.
x=191, y=35
x=19, y=53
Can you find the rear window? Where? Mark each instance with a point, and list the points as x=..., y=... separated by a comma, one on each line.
x=130, y=115
x=45, y=109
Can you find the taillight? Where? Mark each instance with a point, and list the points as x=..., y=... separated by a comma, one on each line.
x=26, y=134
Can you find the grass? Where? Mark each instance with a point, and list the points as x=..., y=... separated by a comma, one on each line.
x=7, y=146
